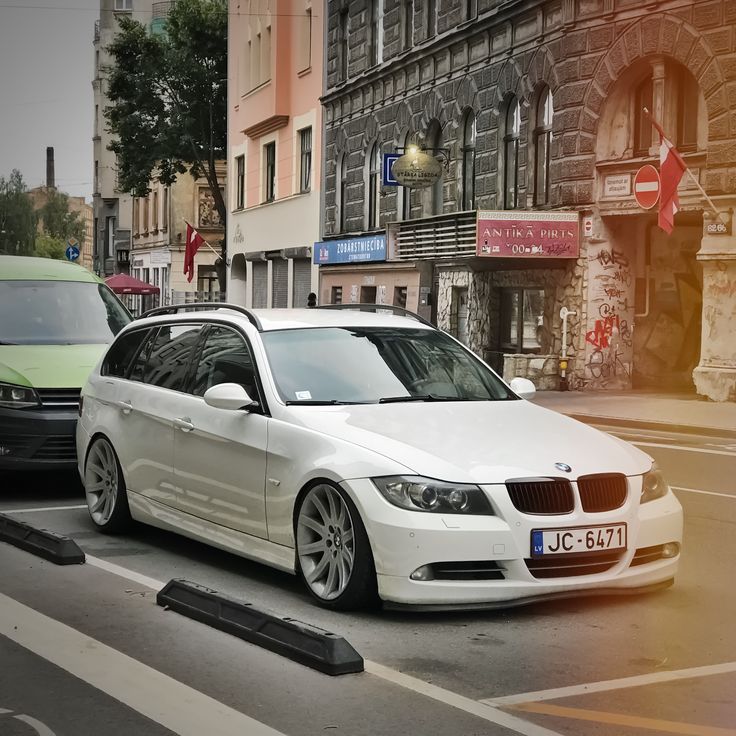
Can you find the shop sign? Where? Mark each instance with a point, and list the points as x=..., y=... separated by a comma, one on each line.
x=416, y=169
x=161, y=257
x=351, y=250
x=617, y=185
x=509, y=234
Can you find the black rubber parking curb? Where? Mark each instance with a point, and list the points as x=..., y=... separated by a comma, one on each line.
x=306, y=644
x=51, y=546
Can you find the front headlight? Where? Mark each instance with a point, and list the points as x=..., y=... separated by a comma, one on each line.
x=17, y=397
x=653, y=485
x=426, y=494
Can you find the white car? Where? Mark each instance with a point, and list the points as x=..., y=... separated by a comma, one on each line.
x=371, y=454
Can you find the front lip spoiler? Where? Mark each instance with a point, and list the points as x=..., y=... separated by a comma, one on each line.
x=501, y=605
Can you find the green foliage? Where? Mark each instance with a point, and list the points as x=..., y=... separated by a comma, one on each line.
x=58, y=220
x=17, y=218
x=169, y=97
x=48, y=246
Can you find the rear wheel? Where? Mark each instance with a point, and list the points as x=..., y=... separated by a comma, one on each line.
x=333, y=551
x=104, y=487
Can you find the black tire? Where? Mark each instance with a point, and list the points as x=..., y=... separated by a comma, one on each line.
x=105, y=489
x=330, y=538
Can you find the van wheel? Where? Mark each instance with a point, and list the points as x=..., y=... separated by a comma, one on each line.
x=104, y=487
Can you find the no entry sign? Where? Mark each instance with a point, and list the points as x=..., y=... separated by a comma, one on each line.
x=646, y=186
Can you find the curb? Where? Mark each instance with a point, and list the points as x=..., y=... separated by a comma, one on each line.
x=654, y=425
x=303, y=643
x=51, y=546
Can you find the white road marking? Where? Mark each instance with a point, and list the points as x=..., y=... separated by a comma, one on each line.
x=468, y=705
x=178, y=707
x=619, y=684
x=707, y=493
x=44, y=508
x=123, y=572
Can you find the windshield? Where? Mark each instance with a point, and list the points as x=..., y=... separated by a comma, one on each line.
x=372, y=364
x=59, y=313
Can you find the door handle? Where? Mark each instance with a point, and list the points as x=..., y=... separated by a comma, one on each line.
x=125, y=406
x=184, y=424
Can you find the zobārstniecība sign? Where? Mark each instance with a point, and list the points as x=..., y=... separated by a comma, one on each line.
x=504, y=234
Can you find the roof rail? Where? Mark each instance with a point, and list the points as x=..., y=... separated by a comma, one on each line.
x=400, y=311
x=194, y=306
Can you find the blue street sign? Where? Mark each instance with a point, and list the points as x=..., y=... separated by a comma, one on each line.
x=351, y=250
x=72, y=250
x=388, y=162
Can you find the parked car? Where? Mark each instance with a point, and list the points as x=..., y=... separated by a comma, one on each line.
x=370, y=453
x=56, y=318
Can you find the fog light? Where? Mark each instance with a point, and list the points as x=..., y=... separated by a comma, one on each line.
x=424, y=572
x=671, y=549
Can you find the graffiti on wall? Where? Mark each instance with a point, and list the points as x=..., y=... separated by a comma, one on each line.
x=608, y=339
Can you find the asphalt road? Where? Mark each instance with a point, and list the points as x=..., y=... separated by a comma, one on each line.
x=94, y=654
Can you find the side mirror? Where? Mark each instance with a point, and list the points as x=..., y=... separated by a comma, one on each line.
x=230, y=396
x=522, y=387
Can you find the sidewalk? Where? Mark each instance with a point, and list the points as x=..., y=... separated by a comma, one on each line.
x=666, y=412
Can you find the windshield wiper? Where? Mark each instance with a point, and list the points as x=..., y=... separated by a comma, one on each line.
x=319, y=402
x=419, y=397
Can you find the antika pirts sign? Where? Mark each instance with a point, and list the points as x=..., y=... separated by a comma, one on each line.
x=506, y=234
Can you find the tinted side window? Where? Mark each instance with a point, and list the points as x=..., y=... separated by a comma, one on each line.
x=167, y=356
x=224, y=358
x=120, y=355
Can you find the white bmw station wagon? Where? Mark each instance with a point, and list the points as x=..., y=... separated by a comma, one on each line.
x=369, y=453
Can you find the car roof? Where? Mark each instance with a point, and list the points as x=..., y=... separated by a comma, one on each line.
x=31, y=268
x=268, y=320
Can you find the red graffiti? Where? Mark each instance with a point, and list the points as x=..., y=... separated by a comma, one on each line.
x=601, y=334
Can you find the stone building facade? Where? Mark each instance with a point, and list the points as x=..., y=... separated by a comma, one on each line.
x=537, y=107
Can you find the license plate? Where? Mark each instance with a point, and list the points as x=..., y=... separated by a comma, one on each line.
x=574, y=540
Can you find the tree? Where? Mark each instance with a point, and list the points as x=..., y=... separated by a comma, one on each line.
x=17, y=218
x=48, y=246
x=58, y=221
x=169, y=100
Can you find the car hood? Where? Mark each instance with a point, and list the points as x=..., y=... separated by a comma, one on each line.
x=48, y=366
x=476, y=442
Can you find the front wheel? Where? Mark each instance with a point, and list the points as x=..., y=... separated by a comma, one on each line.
x=104, y=487
x=333, y=551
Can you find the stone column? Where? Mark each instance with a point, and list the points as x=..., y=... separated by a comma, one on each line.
x=715, y=376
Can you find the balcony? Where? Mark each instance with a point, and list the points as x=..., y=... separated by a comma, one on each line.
x=442, y=236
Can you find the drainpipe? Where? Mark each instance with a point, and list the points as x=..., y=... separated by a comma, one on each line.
x=564, y=314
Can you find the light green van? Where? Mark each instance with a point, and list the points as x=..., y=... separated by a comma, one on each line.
x=56, y=318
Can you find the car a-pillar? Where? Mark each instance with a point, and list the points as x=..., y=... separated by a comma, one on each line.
x=715, y=375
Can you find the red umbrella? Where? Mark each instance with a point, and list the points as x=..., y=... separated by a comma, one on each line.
x=121, y=283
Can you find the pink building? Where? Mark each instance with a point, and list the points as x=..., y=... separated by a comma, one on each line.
x=274, y=133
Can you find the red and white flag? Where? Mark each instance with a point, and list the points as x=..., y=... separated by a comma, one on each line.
x=671, y=169
x=193, y=242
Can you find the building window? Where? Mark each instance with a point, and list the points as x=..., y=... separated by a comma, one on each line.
x=136, y=217
x=207, y=280
x=374, y=186
x=305, y=159
x=341, y=189
x=511, y=155
x=165, y=211
x=109, y=237
x=240, y=182
x=373, y=33
x=269, y=184
x=97, y=177
x=688, y=95
x=400, y=296
x=521, y=315
x=123, y=5
x=336, y=295
x=305, y=41
x=468, y=169
x=542, y=141
x=432, y=197
x=146, y=215
x=367, y=294
x=408, y=23
x=430, y=24
x=343, y=46
x=642, y=127
x=154, y=207
x=471, y=9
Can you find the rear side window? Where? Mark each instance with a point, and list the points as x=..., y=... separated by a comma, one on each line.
x=121, y=354
x=165, y=358
x=224, y=358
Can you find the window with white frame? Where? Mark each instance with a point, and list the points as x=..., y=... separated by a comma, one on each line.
x=123, y=5
x=373, y=183
x=305, y=159
x=511, y=154
x=542, y=145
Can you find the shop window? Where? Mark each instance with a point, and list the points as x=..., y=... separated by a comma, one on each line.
x=400, y=296
x=511, y=154
x=336, y=295
x=468, y=168
x=521, y=317
x=373, y=183
x=367, y=294
x=542, y=141
x=642, y=126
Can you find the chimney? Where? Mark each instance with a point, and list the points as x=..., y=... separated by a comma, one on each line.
x=50, y=183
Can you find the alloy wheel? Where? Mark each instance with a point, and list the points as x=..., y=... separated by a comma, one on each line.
x=101, y=481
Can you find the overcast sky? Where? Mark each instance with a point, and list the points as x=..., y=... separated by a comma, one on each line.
x=46, y=69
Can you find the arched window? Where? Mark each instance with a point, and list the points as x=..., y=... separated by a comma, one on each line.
x=404, y=193
x=373, y=184
x=542, y=140
x=468, y=165
x=341, y=190
x=643, y=97
x=511, y=154
x=432, y=197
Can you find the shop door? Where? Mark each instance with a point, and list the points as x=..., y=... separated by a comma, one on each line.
x=668, y=320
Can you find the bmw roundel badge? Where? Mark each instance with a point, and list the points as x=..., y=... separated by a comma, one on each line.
x=564, y=467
